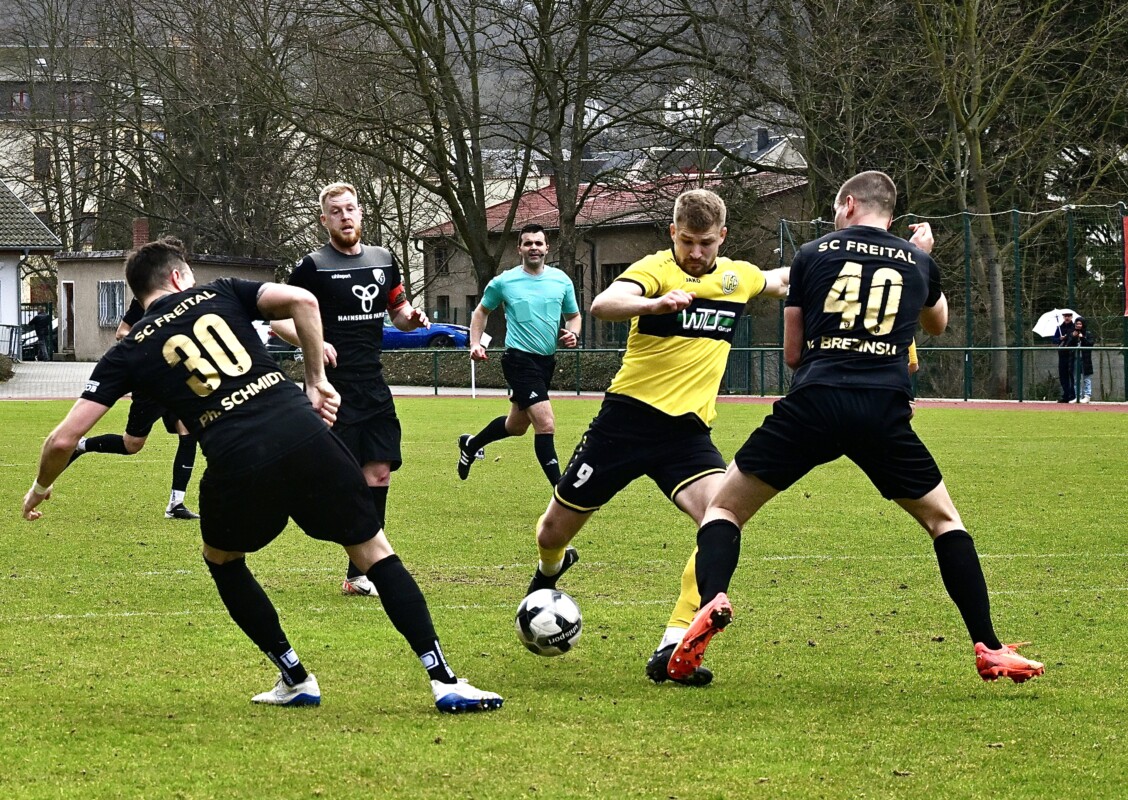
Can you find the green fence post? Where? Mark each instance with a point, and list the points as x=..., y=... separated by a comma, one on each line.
x=967, y=304
x=578, y=371
x=435, y=370
x=1124, y=320
x=1019, y=338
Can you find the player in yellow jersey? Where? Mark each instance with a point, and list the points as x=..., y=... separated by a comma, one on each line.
x=683, y=304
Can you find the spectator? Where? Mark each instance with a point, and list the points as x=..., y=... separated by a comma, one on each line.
x=1062, y=338
x=41, y=322
x=1082, y=339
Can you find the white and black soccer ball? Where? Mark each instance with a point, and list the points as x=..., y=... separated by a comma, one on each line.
x=548, y=622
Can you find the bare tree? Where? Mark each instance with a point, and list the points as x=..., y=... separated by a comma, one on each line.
x=1010, y=104
x=400, y=84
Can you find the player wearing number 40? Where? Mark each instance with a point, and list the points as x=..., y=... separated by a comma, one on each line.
x=271, y=456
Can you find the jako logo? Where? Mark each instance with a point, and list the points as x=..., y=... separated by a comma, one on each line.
x=708, y=319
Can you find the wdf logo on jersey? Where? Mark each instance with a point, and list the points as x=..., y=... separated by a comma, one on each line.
x=708, y=319
x=368, y=294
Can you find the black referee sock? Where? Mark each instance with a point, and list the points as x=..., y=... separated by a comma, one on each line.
x=963, y=578
x=380, y=497
x=544, y=445
x=489, y=434
x=718, y=550
x=253, y=612
x=106, y=443
x=407, y=609
x=184, y=462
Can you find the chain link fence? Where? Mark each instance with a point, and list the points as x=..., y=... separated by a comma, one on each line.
x=1000, y=273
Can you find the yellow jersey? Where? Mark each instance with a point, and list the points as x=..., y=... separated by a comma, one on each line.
x=674, y=362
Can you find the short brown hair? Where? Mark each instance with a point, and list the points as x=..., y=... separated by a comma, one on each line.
x=699, y=210
x=149, y=267
x=872, y=189
x=333, y=190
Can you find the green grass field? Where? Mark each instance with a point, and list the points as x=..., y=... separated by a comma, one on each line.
x=846, y=673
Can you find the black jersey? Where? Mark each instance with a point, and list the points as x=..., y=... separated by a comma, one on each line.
x=355, y=293
x=133, y=314
x=198, y=354
x=861, y=290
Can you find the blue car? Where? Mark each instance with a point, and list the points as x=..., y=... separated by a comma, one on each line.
x=440, y=334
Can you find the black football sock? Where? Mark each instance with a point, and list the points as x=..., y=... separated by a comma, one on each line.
x=544, y=445
x=491, y=433
x=183, y=463
x=380, y=497
x=718, y=550
x=407, y=609
x=107, y=443
x=253, y=612
x=963, y=578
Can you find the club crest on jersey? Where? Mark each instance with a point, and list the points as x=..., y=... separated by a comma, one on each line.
x=729, y=282
x=378, y=274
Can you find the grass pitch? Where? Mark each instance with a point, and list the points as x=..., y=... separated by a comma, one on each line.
x=846, y=673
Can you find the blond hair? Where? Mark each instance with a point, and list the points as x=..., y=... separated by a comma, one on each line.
x=334, y=190
x=699, y=210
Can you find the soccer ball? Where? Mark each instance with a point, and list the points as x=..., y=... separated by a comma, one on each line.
x=548, y=622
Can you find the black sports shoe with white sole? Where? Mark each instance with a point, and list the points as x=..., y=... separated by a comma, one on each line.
x=660, y=661
x=542, y=581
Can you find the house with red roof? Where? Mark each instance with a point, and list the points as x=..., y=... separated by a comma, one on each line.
x=617, y=226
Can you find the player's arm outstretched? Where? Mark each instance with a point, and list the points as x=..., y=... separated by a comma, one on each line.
x=57, y=450
x=776, y=282
x=299, y=307
x=623, y=300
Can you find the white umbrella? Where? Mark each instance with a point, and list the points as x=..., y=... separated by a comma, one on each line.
x=1048, y=323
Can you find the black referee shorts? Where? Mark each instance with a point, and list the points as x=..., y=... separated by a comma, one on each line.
x=817, y=424
x=529, y=376
x=318, y=485
x=625, y=442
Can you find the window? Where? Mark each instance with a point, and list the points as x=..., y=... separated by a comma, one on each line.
x=111, y=303
x=85, y=169
x=471, y=304
x=442, y=261
x=41, y=167
x=442, y=311
x=20, y=101
x=610, y=272
x=78, y=102
x=85, y=227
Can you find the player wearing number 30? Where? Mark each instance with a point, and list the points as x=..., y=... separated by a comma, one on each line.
x=271, y=456
x=856, y=297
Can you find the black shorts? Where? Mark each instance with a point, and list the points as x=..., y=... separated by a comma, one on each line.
x=143, y=414
x=529, y=376
x=367, y=423
x=626, y=441
x=817, y=424
x=318, y=485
